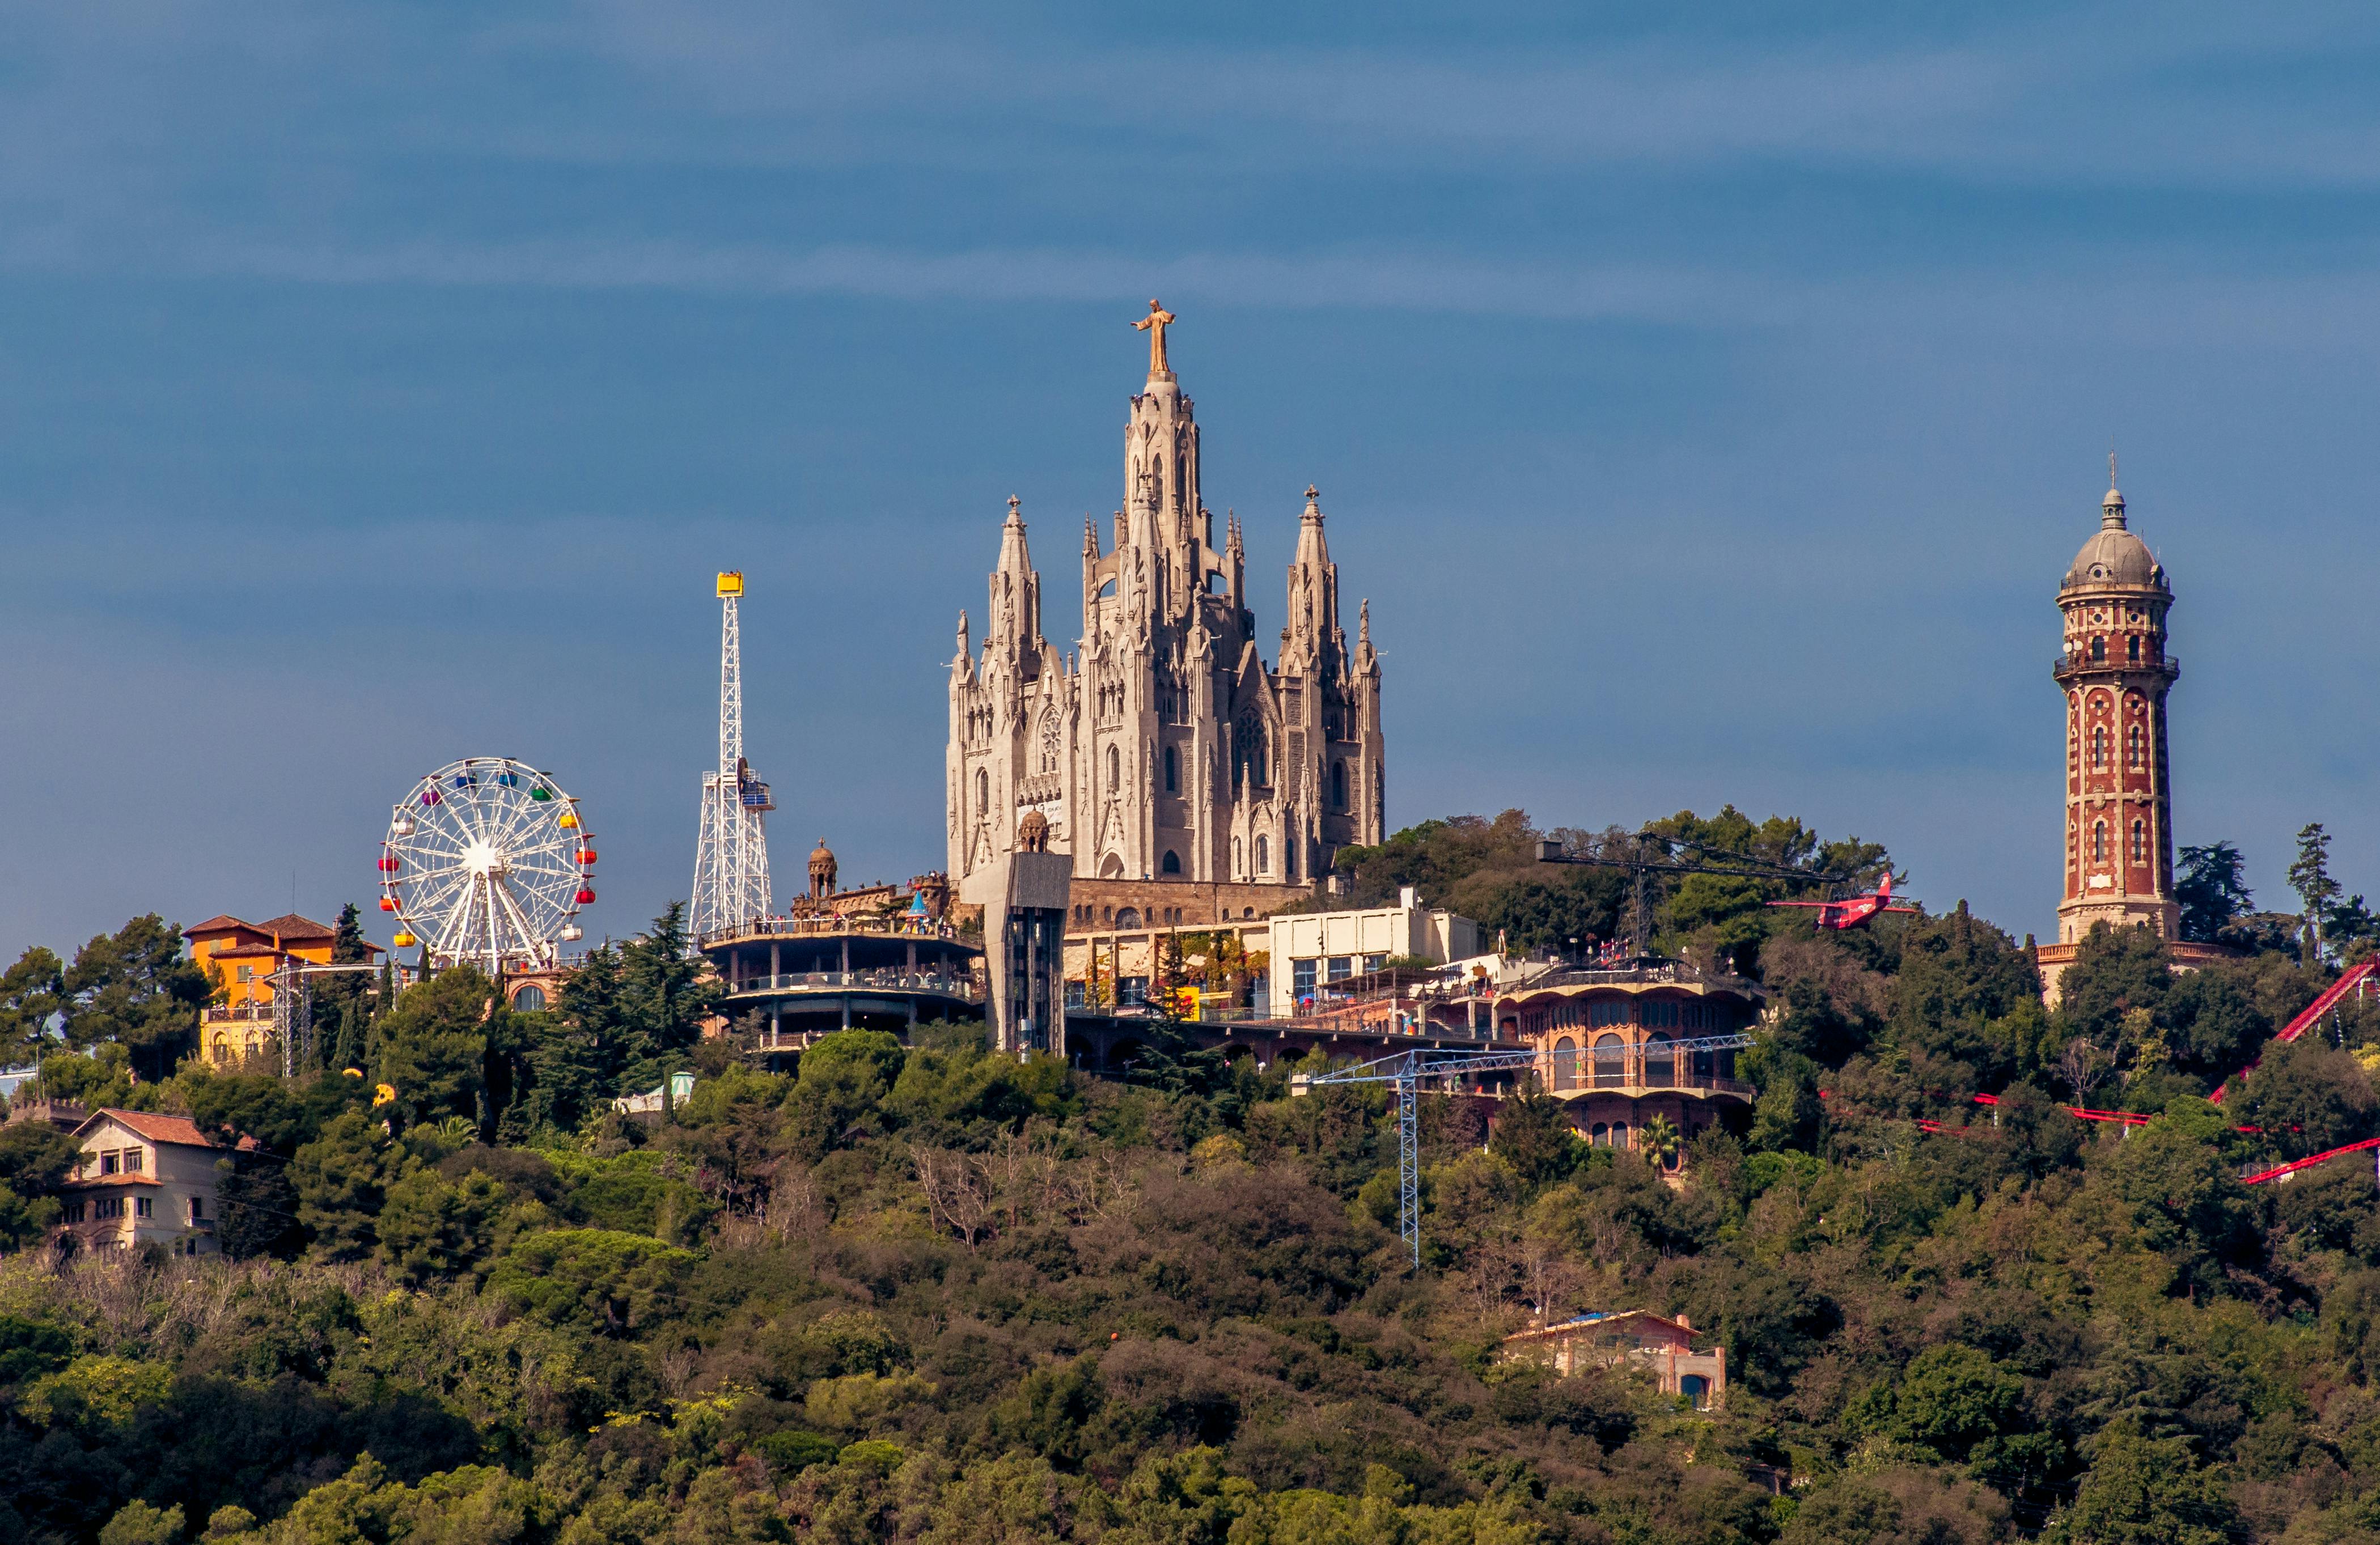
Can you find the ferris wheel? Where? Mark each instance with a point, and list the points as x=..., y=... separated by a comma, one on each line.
x=487, y=862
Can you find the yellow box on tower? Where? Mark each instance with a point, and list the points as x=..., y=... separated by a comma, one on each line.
x=731, y=584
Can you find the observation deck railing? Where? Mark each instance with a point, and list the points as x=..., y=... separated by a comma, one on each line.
x=885, y=980
x=819, y=927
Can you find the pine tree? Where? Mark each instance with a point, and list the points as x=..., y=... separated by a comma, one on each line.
x=2310, y=877
x=2213, y=890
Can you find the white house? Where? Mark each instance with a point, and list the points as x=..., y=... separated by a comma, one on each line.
x=145, y=1179
x=1310, y=950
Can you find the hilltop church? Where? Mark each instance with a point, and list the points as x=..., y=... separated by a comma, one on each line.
x=1163, y=748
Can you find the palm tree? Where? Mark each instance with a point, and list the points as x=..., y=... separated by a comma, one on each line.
x=1658, y=1140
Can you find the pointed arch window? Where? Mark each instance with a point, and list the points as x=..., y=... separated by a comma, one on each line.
x=982, y=792
x=2098, y=841
x=1172, y=862
x=1173, y=774
x=1264, y=857
x=2139, y=842
x=1337, y=785
x=1115, y=770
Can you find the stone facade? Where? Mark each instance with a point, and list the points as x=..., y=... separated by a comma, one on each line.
x=1164, y=748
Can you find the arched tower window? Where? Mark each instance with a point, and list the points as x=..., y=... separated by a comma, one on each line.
x=1565, y=1063
x=1115, y=770
x=1264, y=857
x=2132, y=739
x=2139, y=842
x=1172, y=775
x=2098, y=841
x=1337, y=785
x=982, y=790
x=2133, y=647
x=2098, y=648
x=2098, y=747
x=1171, y=863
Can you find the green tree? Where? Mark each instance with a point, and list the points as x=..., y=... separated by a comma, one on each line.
x=432, y=1228
x=2309, y=1096
x=35, y=1159
x=1534, y=1135
x=592, y=1279
x=1949, y=1399
x=2310, y=877
x=664, y=998
x=340, y=1179
x=32, y=997
x=2144, y=1490
x=844, y=1081
x=2212, y=889
x=257, y=1210
x=434, y=1045
x=136, y=988
x=1967, y=998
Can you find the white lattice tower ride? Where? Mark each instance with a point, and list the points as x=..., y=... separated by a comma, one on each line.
x=731, y=866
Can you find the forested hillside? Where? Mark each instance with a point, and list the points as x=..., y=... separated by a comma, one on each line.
x=930, y=1293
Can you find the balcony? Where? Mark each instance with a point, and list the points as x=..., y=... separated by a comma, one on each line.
x=966, y=989
x=827, y=927
x=2066, y=667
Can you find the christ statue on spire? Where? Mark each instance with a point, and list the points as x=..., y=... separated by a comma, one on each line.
x=1154, y=324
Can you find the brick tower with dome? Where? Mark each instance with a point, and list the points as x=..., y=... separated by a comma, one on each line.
x=2115, y=672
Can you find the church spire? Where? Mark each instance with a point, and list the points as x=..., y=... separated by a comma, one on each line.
x=1016, y=622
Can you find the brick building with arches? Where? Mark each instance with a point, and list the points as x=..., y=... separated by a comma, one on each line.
x=1607, y=1047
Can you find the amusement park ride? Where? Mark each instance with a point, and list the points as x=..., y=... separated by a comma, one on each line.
x=1853, y=912
x=731, y=854
x=487, y=862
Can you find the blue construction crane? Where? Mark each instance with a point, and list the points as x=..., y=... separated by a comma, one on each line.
x=1406, y=1069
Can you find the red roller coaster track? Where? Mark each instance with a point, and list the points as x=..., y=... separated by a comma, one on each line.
x=2349, y=982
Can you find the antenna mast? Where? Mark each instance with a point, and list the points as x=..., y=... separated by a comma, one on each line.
x=731, y=861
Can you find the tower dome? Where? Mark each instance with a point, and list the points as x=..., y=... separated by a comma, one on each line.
x=821, y=871
x=2113, y=555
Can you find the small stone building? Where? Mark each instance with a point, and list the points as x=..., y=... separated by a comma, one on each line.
x=1632, y=1338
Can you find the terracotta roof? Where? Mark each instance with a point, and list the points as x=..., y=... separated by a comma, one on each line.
x=156, y=1128
x=292, y=928
x=220, y=924
x=1585, y=1321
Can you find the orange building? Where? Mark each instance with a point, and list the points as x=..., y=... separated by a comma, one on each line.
x=241, y=959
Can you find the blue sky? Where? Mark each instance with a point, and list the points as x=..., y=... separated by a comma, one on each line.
x=1707, y=403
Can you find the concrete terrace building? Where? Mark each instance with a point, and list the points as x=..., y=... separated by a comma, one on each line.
x=1310, y=952
x=1165, y=748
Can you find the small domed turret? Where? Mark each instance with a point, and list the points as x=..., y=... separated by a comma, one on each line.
x=821, y=871
x=2113, y=555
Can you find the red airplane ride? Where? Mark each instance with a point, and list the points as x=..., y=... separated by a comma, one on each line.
x=1855, y=911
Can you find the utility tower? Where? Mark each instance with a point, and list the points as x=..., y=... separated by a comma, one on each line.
x=731, y=859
